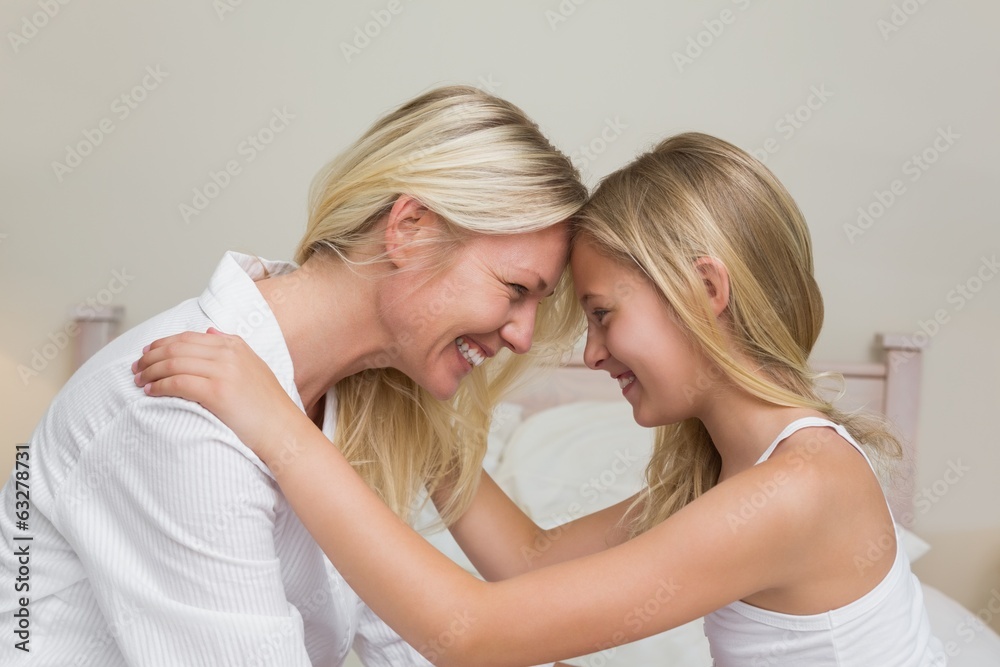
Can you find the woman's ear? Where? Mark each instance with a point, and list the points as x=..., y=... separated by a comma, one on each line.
x=408, y=222
x=715, y=277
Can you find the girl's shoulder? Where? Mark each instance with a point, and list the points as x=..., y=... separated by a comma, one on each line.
x=822, y=490
x=813, y=489
x=823, y=469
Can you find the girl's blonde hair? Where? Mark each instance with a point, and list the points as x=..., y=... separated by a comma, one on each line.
x=698, y=196
x=483, y=167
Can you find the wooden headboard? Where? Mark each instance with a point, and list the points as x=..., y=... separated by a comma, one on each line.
x=890, y=385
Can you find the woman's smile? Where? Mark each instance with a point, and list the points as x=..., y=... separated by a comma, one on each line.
x=471, y=351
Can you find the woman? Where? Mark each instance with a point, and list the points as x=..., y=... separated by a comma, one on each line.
x=694, y=267
x=432, y=244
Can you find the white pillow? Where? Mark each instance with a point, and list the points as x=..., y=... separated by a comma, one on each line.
x=574, y=459
x=911, y=544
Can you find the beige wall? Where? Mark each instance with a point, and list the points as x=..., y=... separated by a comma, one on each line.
x=604, y=80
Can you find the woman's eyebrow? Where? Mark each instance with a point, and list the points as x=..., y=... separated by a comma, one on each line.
x=541, y=286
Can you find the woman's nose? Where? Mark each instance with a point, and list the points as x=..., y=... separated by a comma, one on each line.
x=517, y=333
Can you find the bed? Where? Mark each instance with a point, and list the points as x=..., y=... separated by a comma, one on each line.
x=565, y=445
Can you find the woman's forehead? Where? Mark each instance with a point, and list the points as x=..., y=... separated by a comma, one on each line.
x=543, y=253
x=551, y=242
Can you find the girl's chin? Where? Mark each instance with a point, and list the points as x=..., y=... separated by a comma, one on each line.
x=641, y=421
x=646, y=420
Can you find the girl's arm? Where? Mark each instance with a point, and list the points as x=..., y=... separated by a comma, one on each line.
x=692, y=563
x=228, y=378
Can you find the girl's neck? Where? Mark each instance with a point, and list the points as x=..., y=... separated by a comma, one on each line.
x=743, y=427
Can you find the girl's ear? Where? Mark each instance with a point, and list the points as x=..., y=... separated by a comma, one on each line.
x=407, y=223
x=715, y=276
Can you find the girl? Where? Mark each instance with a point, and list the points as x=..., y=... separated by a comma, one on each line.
x=693, y=266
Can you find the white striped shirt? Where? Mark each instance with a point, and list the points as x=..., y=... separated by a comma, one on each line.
x=157, y=537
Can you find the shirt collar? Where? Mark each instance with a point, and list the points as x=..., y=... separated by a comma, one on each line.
x=235, y=305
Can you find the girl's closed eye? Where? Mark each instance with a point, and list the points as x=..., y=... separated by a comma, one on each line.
x=599, y=314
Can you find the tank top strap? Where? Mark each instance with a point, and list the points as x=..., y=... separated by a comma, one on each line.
x=807, y=422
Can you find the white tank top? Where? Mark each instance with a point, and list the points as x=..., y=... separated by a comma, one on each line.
x=888, y=626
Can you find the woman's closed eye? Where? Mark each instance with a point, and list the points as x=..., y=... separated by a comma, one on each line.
x=519, y=290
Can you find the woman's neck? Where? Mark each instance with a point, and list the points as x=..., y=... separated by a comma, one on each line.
x=328, y=316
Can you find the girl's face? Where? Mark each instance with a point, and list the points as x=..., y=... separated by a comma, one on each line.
x=632, y=335
x=484, y=301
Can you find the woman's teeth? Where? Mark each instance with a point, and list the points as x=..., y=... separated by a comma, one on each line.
x=471, y=354
x=626, y=380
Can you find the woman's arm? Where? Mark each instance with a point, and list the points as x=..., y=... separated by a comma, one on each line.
x=690, y=564
x=502, y=541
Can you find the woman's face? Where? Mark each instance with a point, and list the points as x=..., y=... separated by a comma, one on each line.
x=485, y=300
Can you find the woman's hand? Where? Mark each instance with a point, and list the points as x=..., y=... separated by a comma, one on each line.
x=226, y=377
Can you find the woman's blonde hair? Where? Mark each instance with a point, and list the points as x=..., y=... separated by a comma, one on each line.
x=698, y=196
x=483, y=167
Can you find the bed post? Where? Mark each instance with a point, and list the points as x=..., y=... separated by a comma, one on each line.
x=903, y=364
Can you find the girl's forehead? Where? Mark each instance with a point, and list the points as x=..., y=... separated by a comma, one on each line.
x=586, y=253
x=594, y=272
x=583, y=246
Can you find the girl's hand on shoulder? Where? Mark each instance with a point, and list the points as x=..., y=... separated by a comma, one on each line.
x=226, y=377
